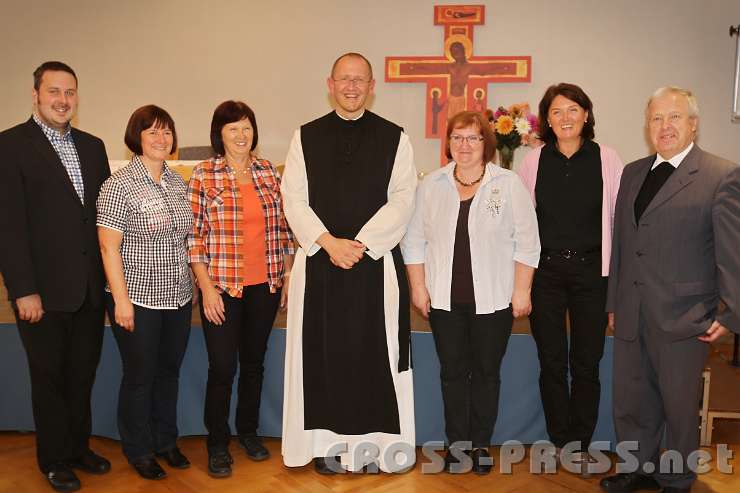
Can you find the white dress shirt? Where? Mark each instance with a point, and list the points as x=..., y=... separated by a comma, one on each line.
x=502, y=226
x=675, y=161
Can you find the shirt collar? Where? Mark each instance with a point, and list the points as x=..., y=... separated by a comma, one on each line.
x=52, y=133
x=141, y=171
x=586, y=148
x=351, y=119
x=675, y=160
x=219, y=162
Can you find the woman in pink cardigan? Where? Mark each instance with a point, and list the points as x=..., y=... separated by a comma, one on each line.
x=573, y=182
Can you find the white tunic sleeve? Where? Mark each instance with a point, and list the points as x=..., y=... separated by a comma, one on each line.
x=304, y=222
x=386, y=228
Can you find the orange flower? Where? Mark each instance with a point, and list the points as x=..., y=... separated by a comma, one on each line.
x=504, y=125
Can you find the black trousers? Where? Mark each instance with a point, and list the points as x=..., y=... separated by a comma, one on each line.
x=63, y=351
x=575, y=285
x=243, y=335
x=470, y=349
x=151, y=356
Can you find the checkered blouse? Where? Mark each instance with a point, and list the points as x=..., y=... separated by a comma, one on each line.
x=217, y=236
x=155, y=220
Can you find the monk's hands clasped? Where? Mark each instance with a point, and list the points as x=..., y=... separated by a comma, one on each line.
x=342, y=252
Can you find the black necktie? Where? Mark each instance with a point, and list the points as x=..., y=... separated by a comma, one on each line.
x=653, y=182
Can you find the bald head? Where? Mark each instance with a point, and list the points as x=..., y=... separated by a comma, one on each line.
x=352, y=54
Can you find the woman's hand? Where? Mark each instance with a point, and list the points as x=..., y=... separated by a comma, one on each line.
x=421, y=300
x=521, y=303
x=124, y=314
x=213, y=305
x=284, y=294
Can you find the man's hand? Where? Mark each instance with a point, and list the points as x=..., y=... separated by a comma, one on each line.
x=30, y=308
x=521, y=303
x=714, y=332
x=610, y=323
x=342, y=252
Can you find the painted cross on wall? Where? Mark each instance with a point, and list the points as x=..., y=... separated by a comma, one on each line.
x=458, y=80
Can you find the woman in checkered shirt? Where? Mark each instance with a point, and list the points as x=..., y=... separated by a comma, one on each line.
x=241, y=252
x=143, y=222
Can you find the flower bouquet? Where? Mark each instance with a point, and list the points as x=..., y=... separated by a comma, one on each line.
x=514, y=126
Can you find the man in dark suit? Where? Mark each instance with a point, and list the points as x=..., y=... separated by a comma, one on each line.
x=674, y=257
x=50, y=260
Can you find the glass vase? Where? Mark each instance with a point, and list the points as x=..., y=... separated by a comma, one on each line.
x=506, y=157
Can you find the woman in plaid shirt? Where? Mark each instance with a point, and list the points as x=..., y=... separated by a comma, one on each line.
x=241, y=252
x=143, y=221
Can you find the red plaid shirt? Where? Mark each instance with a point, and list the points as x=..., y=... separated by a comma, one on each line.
x=217, y=236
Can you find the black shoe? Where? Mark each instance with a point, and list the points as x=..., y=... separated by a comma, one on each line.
x=219, y=464
x=482, y=461
x=62, y=478
x=452, y=461
x=252, y=445
x=671, y=489
x=149, y=468
x=624, y=483
x=91, y=462
x=321, y=465
x=174, y=458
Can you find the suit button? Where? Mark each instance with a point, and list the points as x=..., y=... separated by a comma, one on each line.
x=84, y=252
x=639, y=253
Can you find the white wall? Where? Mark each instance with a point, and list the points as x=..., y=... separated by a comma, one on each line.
x=188, y=56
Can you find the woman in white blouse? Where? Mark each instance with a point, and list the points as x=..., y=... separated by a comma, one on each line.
x=470, y=251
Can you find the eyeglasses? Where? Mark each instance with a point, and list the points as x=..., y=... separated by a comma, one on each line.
x=347, y=81
x=472, y=140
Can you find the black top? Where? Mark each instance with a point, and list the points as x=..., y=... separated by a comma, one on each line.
x=347, y=382
x=569, y=197
x=462, y=271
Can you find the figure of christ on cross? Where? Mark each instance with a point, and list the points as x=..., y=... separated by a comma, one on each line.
x=458, y=73
x=453, y=79
x=458, y=80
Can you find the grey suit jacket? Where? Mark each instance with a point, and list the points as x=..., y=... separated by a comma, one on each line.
x=684, y=256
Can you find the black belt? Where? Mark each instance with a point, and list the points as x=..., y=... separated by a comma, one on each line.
x=567, y=253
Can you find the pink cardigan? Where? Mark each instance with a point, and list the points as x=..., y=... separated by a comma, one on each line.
x=611, y=174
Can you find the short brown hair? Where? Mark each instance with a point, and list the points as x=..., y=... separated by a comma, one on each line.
x=52, y=66
x=230, y=112
x=575, y=94
x=146, y=117
x=475, y=119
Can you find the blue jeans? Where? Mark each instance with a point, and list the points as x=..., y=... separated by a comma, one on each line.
x=151, y=356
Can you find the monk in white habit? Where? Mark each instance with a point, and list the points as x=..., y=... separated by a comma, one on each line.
x=348, y=194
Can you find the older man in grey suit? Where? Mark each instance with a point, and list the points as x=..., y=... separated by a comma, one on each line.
x=674, y=256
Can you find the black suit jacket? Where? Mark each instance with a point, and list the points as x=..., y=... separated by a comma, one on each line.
x=49, y=244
